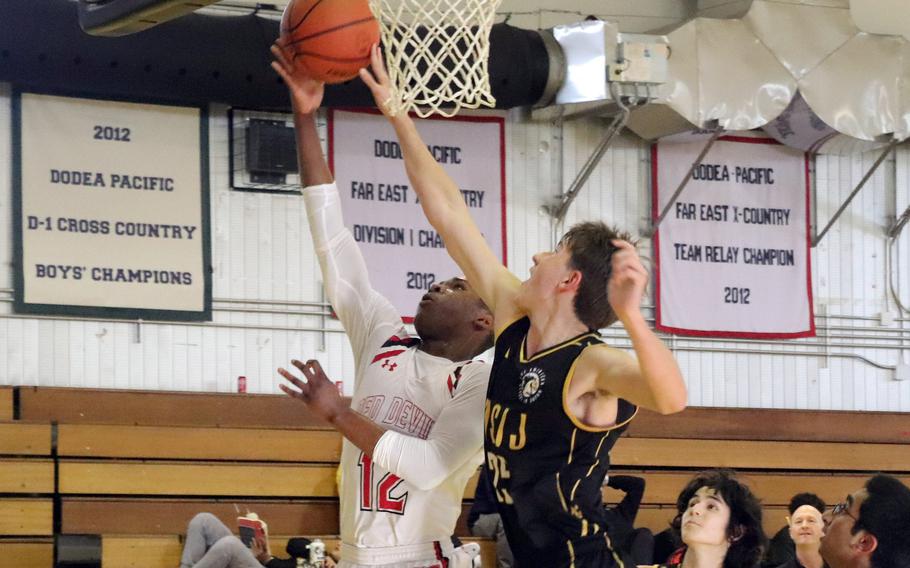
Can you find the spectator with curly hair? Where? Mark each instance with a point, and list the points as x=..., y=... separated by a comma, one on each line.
x=719, y=522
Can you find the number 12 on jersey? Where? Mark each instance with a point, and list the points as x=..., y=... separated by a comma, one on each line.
x=380, y=493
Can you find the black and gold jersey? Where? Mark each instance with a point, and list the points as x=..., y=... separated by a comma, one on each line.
x=545, y=465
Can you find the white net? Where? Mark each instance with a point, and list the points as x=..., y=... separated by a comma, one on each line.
x=436, y=52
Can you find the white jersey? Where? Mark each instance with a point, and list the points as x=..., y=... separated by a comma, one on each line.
x=410, y=392
x=410, y=492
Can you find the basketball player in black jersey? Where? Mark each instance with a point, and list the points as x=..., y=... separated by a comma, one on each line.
x=558, y=397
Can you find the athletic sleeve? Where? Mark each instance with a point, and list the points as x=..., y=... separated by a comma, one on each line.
x=358, y=306
x=456, y=438
x=634, y=488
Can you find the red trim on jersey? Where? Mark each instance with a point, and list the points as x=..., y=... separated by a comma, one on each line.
x=386, y=355
x=443, y=561
x=452, y=382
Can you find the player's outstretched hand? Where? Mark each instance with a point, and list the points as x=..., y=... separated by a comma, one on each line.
x=627, y=280
x=318, y=392
x=377, y=80
x=306, y=92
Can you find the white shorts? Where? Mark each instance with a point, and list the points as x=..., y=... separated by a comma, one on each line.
x=440, y=554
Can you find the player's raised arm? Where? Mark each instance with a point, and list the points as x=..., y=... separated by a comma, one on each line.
x=306, y=96
x=444, y=205
x=346, y=281
x=654, y=381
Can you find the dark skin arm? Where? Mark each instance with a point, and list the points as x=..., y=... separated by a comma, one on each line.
x=321, y=397
x=306, y=96
x=318, y=392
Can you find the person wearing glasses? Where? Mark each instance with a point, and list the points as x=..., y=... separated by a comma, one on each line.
x=719, y=521
x=871, y=528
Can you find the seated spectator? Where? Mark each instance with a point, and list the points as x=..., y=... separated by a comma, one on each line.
x=871, y=529
x=782, y=549
x=484, y=520
x=666, y=542
x=719, y=522
x=210, y=544
x=806, y=528
x=637, y=543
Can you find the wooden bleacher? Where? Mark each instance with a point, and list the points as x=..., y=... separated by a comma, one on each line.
x=777, y=452
x=26, y=489
x=135, y=467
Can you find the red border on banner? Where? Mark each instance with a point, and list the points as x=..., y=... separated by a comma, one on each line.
x=330, y=128
x=655, y=196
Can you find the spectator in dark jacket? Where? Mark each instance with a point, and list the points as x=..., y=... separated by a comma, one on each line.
x=637, y=543
x=781, y=548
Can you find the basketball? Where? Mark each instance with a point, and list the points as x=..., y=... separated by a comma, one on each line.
x=330, y=39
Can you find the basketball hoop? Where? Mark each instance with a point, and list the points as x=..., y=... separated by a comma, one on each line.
x=436, y=52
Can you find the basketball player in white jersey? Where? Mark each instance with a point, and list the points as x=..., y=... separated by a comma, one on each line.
x=413, y=431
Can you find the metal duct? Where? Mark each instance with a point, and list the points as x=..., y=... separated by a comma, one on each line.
x=744, y=73
x=720, y=72
x=887, y=17
x=799, y=127
x=220, y=59
x=861, y=89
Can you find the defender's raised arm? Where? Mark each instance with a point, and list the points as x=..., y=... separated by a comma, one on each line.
x=444, y=205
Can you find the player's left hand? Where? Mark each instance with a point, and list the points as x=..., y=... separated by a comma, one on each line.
x=627, y=280
x=377, y=80
x=318, y=392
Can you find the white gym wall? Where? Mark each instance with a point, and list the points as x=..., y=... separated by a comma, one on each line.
x=261, y=251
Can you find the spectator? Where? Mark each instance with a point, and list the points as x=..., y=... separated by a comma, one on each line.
x=210, y=544
x=805, y=528
x=781, y=549
x=871, y=529
x=666, y=542
x=637, y=543
x=719, y=522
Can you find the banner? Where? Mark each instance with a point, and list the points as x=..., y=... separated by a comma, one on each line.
x=404, y=255
x=733, y=251
x=112, y=208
